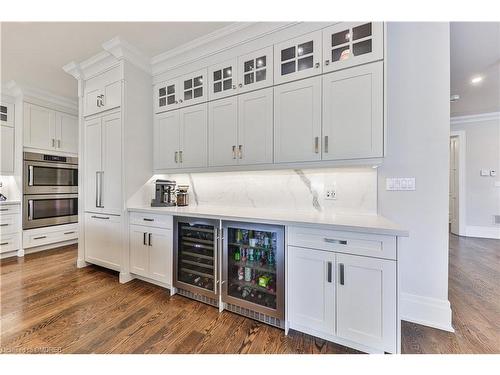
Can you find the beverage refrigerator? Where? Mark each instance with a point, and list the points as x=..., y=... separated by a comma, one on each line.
x=236, y=266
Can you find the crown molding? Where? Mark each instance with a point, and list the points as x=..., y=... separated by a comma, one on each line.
x=41, y=97
x=121, y=49
x=480, y=117
x=227, y=37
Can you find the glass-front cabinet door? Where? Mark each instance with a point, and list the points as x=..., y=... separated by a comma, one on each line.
x=255, y=70
x=298, y=58
x=253, y=267
x=167, y=95
x=223, y=79
x=193, y=88
x=352, y=43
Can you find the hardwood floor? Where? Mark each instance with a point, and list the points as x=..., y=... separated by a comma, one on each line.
x=50, y=306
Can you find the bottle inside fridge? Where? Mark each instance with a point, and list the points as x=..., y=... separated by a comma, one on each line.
x=254, y=266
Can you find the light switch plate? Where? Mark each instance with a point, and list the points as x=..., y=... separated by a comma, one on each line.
x=400, y=184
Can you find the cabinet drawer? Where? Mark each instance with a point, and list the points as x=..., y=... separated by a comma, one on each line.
x=9, y=224
x=9, y=209
x=9, y=242
x=151, y=220
x=38, y=238
x=373, y=245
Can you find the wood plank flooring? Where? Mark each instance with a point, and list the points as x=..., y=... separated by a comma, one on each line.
x=50, y=306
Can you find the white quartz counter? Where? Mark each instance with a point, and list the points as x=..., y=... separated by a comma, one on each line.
x=374, y=224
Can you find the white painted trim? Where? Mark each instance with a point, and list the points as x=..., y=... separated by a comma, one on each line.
x=475, y=118
x=462, y=172
x=121, y=49
x=427, y=311
x=482, y=232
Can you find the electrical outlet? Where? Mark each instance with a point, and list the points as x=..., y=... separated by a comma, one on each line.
x=331, y=194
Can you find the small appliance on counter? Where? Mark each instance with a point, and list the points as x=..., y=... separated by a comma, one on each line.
x=182, y=195
x=164, y=194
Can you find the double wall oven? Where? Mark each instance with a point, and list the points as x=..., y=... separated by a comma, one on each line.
x=50, y=190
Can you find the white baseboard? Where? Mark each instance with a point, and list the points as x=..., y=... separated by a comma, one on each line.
x=80, y=263
x=427, y=311
x=482, y=232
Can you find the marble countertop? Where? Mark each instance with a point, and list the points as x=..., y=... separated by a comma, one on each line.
x=374, y=224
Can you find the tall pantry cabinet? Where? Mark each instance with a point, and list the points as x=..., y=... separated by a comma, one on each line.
x=115, y=160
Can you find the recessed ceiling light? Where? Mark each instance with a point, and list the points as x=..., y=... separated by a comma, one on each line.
x=476, y=80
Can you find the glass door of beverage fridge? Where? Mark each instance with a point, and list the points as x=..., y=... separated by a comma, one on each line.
x=253, y=267
x=195, y=255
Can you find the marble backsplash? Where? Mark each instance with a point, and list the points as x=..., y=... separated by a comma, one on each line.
x=297, y=189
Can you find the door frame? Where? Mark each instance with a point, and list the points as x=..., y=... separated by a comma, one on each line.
x=461, y=179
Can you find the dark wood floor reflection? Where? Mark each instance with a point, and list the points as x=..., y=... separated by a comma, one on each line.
x=48, y=305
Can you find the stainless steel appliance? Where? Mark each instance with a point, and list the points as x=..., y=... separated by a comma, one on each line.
x=196, y=260
x=182, y=197
x=253, y=271
x=43, y=210
x=164, y=194
x=50, y=190
x=246, y=277
x=47, y=174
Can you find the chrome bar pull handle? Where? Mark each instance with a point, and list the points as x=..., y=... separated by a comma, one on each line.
x=176, y=156
x=316, y=145
x=100, y=190
x=335, y=241
x=100, y=217
x=180, y=156
x=30, y=209
x=329, y=272
x=234, y=152
x=58, y=143
x=30, y=175
x=240, y=151
x=341, y=269
x=326, y=144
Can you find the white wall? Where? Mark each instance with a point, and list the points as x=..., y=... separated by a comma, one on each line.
x=482, y=152
x=418, y=92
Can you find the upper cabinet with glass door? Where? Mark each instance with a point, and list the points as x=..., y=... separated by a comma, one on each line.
x=222, y=79
x=255, y=70
x=352, y=43
x=181, y=91
x=298, y=58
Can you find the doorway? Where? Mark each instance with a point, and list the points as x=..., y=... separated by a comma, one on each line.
x=457, y=183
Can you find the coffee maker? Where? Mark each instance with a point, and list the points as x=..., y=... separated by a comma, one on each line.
x=164, y=194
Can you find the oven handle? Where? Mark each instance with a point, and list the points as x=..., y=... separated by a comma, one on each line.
x=30, y=209
x=30, y=175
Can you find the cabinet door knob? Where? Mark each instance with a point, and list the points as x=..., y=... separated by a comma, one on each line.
x=180, y=100
x=316, y=65
x=234, y=87
x=327, y=62
x=176, y=102
x=240, y=85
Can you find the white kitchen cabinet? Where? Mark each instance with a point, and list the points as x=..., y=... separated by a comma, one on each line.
x=366, y=301
x=103, y=240
x=352, y=43
x=10, y=228
x=39, y=127
x=223, y=132
x=297, y=121
x=255, y=70
x=103, y=165
x=255, y=127
x=167, y=95
x=151, y=253
x=298, y=58
x=103, y=92
x=193, y=136
x=181, y=138
x=311, y=290
x=353, y=115
x=7, y=139
x=50, y=130
x=240, y=129
x=67, y=132
x=166, y=140
x=223, y=79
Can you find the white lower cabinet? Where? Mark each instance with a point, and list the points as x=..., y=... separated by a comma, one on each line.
x=311, y=290
x=151, y=253
x=7, y=150
x=366, y=301
x=103, y=240
x=344, y=298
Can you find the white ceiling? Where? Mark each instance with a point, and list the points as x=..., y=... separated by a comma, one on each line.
x=475, y=50
x=33, y=53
